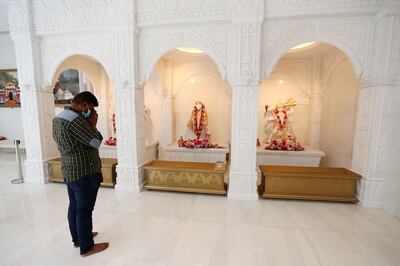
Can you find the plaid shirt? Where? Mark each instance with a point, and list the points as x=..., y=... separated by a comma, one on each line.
x=78, y=144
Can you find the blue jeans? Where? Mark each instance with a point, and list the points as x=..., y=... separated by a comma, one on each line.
x=82, y=198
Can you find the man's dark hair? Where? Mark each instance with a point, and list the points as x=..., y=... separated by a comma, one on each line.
x=85, y=97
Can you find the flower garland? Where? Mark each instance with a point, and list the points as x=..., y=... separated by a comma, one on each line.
x=197, y=129
x=290, y=144
x=281, y=124
x=112, y=141
x=196, y=143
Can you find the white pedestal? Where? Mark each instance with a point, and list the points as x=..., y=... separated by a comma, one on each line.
x=106, y=151
x=175, y=153
x=309, y=157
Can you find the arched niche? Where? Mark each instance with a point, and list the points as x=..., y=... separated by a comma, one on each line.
x=177, y=81
x=323, y=82
x=91, y=71
x=56, y=54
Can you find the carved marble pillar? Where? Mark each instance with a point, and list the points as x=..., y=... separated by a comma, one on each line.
x=243, y=76
x=243, y=174
x=368, y=135
x=373, y=126
x=37, y=111
x=130, y=127
x=37, y=101
x=315, y=105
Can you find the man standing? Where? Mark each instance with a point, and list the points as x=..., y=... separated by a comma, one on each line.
x=78, y=140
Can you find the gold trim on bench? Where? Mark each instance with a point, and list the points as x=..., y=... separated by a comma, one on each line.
x=185, y=177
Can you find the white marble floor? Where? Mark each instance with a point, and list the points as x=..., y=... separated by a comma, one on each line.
x=157, y=228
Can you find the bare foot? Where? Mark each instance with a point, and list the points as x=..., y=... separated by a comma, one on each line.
x=94, y=234
x=96, y=249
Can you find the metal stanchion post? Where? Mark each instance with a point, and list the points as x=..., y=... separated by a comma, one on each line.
x=20, y=178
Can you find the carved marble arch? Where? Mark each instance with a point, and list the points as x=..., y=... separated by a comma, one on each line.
x=160, y=53
x=97, y=74
x=80, y=63
x=271, y=59
x=52, y=64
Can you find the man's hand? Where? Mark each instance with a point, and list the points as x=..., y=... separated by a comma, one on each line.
x=93, y=118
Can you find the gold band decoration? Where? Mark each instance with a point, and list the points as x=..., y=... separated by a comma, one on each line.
x=185, y=177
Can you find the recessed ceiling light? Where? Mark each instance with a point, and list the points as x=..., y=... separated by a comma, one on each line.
x=189, y=50
x=303, y=46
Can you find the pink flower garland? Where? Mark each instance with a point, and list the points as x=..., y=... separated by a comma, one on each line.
x=112, y=141
x=198, y=130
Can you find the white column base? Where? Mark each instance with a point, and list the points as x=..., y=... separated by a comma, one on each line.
x=36, y=172
x=129, y=179
x=243, y=186
x=370, y=192
x=371, y=204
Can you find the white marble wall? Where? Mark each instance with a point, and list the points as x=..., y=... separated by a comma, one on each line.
x=339, y=111
x=11, y=123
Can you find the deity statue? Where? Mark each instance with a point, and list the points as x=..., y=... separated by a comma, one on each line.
x=148, y=125
x=198, y=122
x=68, y=94
x=58, y=92
x=279, y=132
x=196, y=135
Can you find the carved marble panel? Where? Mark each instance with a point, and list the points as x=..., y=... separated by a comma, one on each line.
x=52, y=16
x=394, y=58
x=162, y=12
x=279, y=8
x=56, y=49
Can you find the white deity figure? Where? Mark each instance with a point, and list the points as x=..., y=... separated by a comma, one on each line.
x=279, y=132
x=58, y=92
x=198, y=122
x=148, y=125
x=68, y=94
